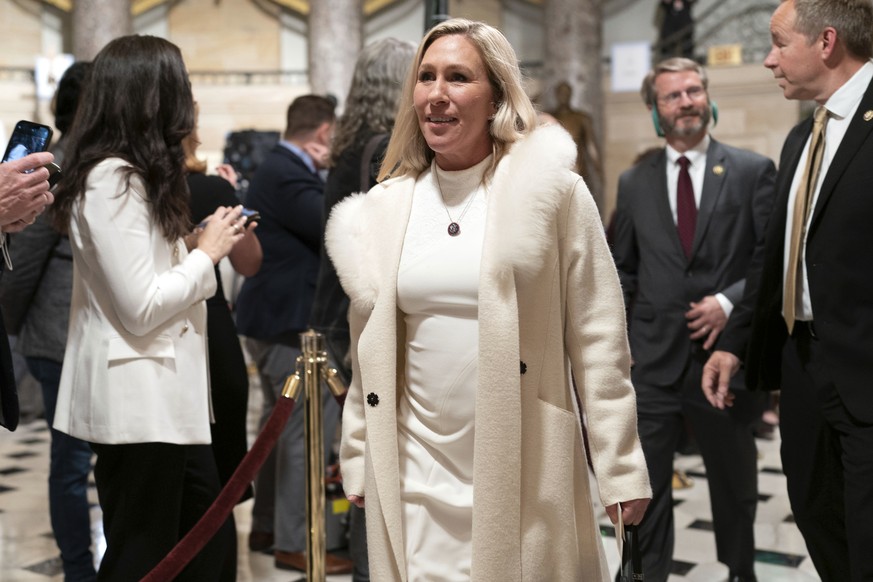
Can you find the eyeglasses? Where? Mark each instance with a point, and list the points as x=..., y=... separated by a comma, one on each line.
x=694, y=93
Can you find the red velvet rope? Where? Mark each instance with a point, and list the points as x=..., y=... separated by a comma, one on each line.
x=188, y=547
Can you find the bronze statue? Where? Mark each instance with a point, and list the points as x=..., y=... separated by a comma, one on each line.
x=579, y=125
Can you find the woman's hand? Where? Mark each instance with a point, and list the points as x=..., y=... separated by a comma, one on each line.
x=224, y=228
x=357, y=500
x=632, y=511
x=227, y=172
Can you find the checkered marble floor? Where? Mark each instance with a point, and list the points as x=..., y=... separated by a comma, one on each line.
x=28, y=552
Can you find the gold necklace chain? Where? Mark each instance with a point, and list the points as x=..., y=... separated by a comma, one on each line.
x=454, y=228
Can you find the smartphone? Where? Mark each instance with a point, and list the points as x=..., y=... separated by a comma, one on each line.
x=250, y=215
x=28, y=138
x=54, y=173
x=247, y=213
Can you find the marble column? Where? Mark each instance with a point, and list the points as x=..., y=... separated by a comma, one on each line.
x=335, y=37
x=574, y=40
x=96, y=22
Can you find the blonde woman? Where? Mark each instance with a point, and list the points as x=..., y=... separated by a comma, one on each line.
x=479, y=276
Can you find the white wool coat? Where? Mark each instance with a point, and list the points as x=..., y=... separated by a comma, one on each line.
x=549, y=303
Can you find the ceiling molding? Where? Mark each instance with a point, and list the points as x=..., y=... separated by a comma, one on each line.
x=137, y=7
x=302, y=6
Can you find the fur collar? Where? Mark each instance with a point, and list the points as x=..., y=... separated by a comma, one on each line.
x=530, y=184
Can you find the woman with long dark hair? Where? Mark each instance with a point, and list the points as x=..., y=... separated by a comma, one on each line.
x=135, y=382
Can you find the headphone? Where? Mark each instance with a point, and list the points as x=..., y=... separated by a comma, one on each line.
x=656, y=119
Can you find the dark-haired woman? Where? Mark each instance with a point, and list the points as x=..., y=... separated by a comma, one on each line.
x=135, y=381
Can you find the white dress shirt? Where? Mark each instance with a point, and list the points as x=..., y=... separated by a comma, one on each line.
x=841, y=107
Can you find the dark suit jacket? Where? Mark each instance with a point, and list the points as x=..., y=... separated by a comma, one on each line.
x=838, y=258
x=331, y=306
x=8, y=389
x=658, y=281
x=274, y=304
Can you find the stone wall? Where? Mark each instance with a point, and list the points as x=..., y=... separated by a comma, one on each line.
x=20, y=32
x=225, y=36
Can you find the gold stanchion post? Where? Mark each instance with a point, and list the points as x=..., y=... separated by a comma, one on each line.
x=315, y=371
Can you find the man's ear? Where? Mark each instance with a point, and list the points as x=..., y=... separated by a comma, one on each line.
x=324, y=133
x=828, y=40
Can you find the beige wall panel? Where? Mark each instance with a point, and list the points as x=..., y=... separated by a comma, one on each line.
x=231, y=35
x=19, y=102
x=20, y=32
x=226, y=108
x=489, y=11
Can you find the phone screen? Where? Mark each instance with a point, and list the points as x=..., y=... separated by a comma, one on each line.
x=251, y=215
x=28, y=138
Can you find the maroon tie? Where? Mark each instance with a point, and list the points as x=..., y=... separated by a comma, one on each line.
x=686, y=207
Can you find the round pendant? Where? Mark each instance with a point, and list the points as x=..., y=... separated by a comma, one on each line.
x=454, y=229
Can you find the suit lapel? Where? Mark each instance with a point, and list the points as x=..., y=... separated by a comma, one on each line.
x=658, y=178
x=791, y=157
x=858, y=132
x=793, y=149
x=714, y=178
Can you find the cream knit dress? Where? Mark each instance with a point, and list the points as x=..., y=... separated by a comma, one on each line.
x=437, y=291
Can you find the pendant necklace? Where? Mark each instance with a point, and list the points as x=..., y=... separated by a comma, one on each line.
x=454, y=228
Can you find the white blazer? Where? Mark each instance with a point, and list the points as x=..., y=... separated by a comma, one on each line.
x=135, y=368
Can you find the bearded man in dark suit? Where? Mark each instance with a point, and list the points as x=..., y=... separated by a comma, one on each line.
x=687, y=222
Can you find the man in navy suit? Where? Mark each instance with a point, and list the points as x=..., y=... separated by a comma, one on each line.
x=805, y=324
x=273, y=309
x=24, y=194
x=687, y=221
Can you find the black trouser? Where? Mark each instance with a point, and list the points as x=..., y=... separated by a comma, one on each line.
x=827, y=457
x=727, y=446
x=151, y=494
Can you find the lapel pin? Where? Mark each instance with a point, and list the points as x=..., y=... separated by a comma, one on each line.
x=868, y=115
x=718, y=170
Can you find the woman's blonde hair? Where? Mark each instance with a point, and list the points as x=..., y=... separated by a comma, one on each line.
x=408, y=152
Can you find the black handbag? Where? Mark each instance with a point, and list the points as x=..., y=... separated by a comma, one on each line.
x=631, y=558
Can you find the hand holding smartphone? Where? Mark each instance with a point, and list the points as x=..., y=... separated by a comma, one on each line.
x=247, y=213
x=27, y=138
x=24, y=191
